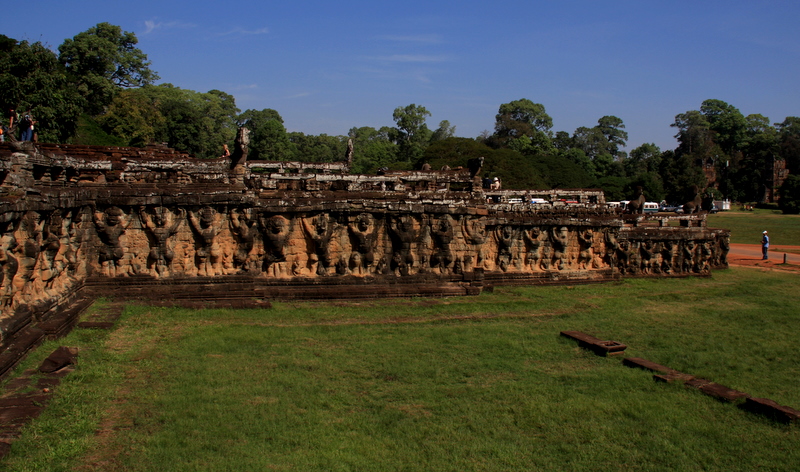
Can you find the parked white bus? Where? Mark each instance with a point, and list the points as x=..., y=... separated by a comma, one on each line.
x=651, y=207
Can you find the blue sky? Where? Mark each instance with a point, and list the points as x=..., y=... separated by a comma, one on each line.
x=329, y=66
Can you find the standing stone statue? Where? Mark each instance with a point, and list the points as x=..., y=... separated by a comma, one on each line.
x=162, y=226
x=647, y=252
x=506, y=240
x=443, y=234
x=30, y=233
x=9, y=265
x=636, y=203
x=241, y=148
x=56, y=251
x=320, y=230
x=533, y=241
x=403, y=235
x=585, y=243
x=695, y=204
x=559, y=237
x=110, y=226
x=688, y=256
x=611, y=248
x=244, y=231
x=206, y=226
x=275, y=232
x=474, y=230
x=363, y=238
x=666, y=252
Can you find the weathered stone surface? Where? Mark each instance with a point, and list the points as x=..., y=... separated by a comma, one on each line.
x=59, y=359
x=771, y=409
x=598, y=346
x=722, y=392
x=146, y=222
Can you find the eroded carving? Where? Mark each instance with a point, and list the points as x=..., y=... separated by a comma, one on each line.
x=403, y=235
x=275, y=231
x=110, y=225
x=319, y=230
x=363, y=238
x=161, y=226
x=243, y=226
x=208, y=254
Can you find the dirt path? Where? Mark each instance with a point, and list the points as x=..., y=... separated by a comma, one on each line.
x=749, y=255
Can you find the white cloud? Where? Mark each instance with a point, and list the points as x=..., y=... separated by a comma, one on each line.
x=243, y=32
x=152, y=25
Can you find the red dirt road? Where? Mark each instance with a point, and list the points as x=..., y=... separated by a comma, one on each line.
x=750, y=255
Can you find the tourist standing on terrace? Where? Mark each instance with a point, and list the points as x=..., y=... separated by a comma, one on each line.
x=12, y=118
x=764, y=245
x=26, y=125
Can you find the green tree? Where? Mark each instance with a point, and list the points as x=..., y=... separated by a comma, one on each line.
x=577, y=156
x=602, y=142
x=589, y=140
x=524, y=126
x=268, y=138
x=102, y=60
x=614, y=188
x=133, y=117
x=455, y=152
x=372, y=149
x=645, y=158
x=789, y=142
x=411, y=133
x=790, y=195
x=679, y=173
x=194, y=122
x=613, y=130
x=562, y=141
x=558, y=172
x=694, y=133
x=313, y=148
x=444, y=131
x=727, y=122
x=521, y=117
x=651, y=184
x=90, y=133
x=31, y=77
x=514, y=169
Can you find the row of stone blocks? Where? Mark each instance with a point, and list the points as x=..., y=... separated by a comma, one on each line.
x=762, y=406
x=25, y=397
x=29, y=327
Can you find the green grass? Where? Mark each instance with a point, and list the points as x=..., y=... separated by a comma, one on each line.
x=483, y=383
x=746, y=226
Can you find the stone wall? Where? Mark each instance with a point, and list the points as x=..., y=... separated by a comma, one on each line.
x=123, y=216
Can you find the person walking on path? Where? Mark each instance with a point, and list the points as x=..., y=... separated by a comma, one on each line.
x=764, y=245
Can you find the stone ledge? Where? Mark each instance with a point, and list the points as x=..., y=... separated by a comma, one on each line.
x=598, y=346
x=771, y=409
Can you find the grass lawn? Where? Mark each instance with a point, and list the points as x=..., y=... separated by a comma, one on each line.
x=461, y=384
x=746, y=226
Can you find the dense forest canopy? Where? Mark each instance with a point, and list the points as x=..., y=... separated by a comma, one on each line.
x=99, y=88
